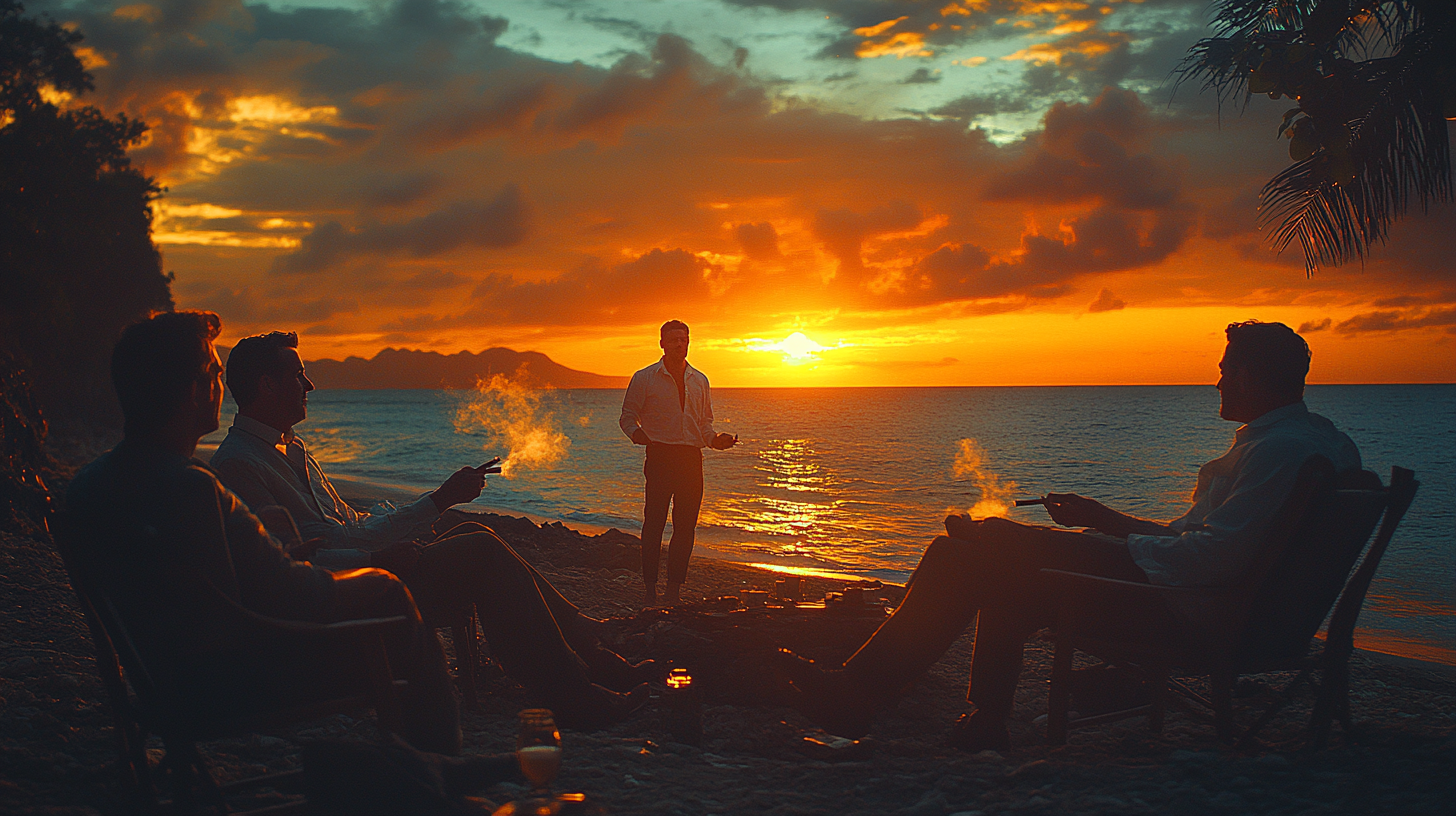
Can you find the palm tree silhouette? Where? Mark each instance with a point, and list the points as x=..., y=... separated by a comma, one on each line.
x=1374, y=82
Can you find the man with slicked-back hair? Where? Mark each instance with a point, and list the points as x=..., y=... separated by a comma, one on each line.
x=540, y=638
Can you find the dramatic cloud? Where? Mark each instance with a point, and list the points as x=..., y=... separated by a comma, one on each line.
x=431, y=173
x=1084, y=154
x=1106, y=302
x=1389, y=321
x=760, y=242
x=844, y=231
x=501, y=222
x=664, y=279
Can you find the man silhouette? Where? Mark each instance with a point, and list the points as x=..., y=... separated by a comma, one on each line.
x=989, y=570
x=146, y=503
x=539, y=637
x=669, y=409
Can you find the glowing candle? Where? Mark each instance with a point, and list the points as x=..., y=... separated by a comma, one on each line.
x=684, y=709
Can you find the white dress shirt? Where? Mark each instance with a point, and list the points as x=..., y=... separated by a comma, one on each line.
x=1237, y=497
x=652, y=404
x=266, y=467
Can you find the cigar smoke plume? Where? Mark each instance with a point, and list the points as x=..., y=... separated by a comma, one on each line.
x=995, y=498
x=510, y=414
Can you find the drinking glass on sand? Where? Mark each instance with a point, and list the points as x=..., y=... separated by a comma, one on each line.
x=538, y=749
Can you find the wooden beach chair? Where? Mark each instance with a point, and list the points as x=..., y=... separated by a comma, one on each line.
x=1267, y=622
x=146, y=697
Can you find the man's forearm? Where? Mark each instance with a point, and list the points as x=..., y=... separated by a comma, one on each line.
x=1122, y=525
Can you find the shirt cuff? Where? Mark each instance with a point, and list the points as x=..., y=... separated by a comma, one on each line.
x=1143, y=549
x=418, y=511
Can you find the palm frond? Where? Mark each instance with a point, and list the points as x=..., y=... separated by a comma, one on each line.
x=1381, y=122
x=1319, y=213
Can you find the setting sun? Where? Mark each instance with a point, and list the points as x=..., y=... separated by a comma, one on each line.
x=797, y=349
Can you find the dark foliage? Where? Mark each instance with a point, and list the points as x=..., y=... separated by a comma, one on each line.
x=77, y=262
x=1375, y=82
x=23, y=494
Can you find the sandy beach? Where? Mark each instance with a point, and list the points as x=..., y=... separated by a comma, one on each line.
x=56, y=753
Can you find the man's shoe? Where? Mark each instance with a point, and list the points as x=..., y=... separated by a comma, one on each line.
x=828, y=698
x=975, y=732
x=597, y=707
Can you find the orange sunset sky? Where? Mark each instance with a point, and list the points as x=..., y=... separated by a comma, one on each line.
x=831, y=192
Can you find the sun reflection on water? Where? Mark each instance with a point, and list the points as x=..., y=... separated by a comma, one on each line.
x=791, y=464
x=791, y=498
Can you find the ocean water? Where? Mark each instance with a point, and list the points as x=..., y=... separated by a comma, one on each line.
x=857, y=481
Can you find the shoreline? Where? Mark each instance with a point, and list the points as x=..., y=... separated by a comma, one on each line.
x=362, y=489
x=357, y=488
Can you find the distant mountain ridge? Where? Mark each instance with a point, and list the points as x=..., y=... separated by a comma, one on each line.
x=411, y=368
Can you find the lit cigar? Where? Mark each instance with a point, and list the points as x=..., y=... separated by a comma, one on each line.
x=1029, y=502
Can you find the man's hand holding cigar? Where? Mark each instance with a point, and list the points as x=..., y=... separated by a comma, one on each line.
x=1072, y=510
x=464, y=485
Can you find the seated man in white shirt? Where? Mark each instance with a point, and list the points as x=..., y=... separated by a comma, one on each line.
x=539, y=637
x=991, y=567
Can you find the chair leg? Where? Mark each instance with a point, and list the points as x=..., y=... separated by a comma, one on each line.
x=1333, y=700
x=381, y=686
x=467, y=654
x=193, y=787
x=1157, y=697
x=1059, y=698
x=1221, y=694
x=131, y=752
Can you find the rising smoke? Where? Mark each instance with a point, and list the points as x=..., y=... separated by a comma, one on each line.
x=510, y=414
x=996, y=495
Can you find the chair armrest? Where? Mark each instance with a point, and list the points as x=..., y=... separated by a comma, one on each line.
x=252, y=629
x=1082, y=582
x=360, y=626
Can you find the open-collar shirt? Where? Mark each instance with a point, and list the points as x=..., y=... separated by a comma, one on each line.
x=1237, y=497
x=265, y=466
x=652, y=404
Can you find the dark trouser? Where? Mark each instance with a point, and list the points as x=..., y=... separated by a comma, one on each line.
x=994, y=573
x=674, y=474
x=248, y=675
x=533, y=631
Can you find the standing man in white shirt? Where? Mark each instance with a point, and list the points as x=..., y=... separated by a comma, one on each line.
x=669, y=410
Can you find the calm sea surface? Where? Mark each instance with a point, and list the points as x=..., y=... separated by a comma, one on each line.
x=857, y=481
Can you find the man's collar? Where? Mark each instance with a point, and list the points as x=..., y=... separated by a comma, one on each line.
x=1294, y=409
x=687, y=366
x=262, y=430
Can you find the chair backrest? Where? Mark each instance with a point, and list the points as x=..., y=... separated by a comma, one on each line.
x=1317, y=543
x=115, y=650
x=1401, y=493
